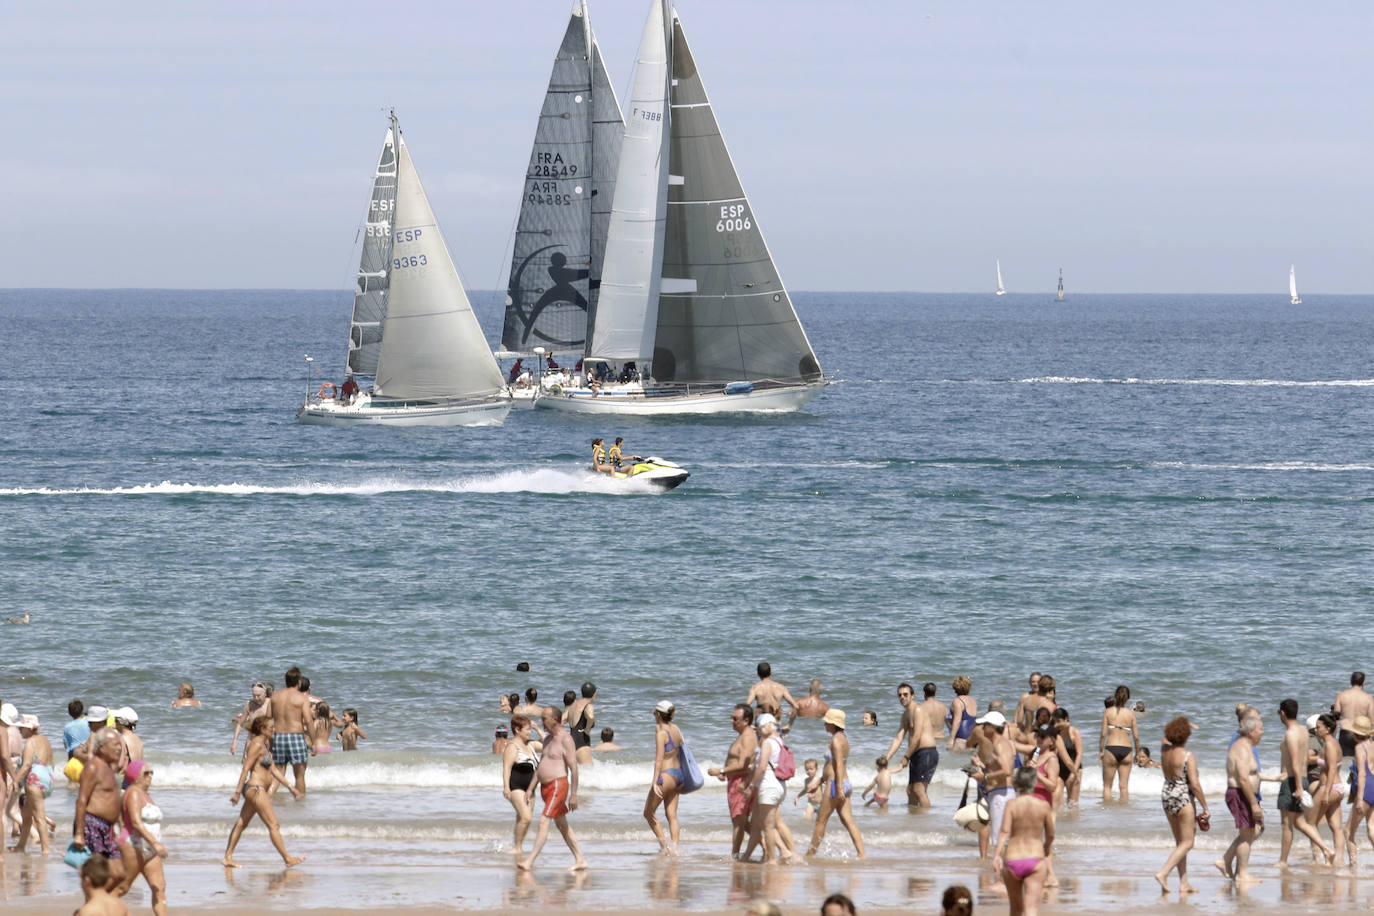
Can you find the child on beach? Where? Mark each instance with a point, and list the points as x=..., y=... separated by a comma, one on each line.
x=812, y=790
x=348, y=737
x=95, y=875
x=881, y=786
x=1143, y=760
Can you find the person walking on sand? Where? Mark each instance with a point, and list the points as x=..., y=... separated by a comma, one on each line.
x=921, y=753
x=557, y=774
x=739, y=764
x=666, y=783
x=835, y=798
x=1294, y=768
x=1182, y=790
x=97, y=802
x=1242, y=798
x=1330, y=793
x=260, y=775
x=141, y=843
x=1350, y=704
x=1024, y=844
x=768, y=693
x=1116, y=746
x=35, y=776
x=293, y=722
x=518, y=762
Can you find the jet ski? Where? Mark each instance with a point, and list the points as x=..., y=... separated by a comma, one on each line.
x=658, y=472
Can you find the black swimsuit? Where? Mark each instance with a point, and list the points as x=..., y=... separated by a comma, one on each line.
x=579, y=731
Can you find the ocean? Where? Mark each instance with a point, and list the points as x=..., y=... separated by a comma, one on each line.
x=1169, y=492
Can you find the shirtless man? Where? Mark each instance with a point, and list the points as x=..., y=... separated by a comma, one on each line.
x=768, y=692
x=97, y=803
x=936, y=712
x=810, y=706
x=921, y=754
x=557, y=775
x=1242, y=798
x=1294, y=766
x=1022, y=718
x=1350, y=703
x=737, y=774
x=994, y=764
x=531, y=708
x=293, y=721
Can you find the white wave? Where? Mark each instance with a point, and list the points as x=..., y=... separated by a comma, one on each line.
x=1207, y=382
x=535, y=480
x=1265, y=466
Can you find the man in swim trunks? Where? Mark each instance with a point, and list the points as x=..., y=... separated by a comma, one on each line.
x=994, y=766
x=557, y=774
x=935, y=711
x=1242, y=799
x=293, y=720
x=737, y=774
x=920, y=747
x=768, y=693
x=97, y=803
x=1350, y=704
x=1294, y=769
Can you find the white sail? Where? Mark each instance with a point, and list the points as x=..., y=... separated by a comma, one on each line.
x=1001, y=290
x=432, y=345
x=369, y=293
x=627, y=311
x=1293, y=285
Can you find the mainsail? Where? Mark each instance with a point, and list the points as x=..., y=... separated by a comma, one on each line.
x=689, y=284
x=1000, y=288
x=1293, y=285
x=369, y=295
x=432, y=345
x=560, y=237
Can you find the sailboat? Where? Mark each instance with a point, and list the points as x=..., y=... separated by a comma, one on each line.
x=1293, y=297
x=565, y=205
x=1061, y=284
x=1001, y=290
x=413, y=331
x=692, y=316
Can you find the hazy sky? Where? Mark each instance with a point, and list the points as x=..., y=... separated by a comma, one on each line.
x=1163, y=147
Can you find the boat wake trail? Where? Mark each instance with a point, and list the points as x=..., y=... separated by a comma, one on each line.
x=535, y=480
x=1205, y=382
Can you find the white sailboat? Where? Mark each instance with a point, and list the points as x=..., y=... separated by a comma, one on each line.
x=413, y=331
x=565, y=206
x=1293, y=297
x=692, y=316
x=1001, y=290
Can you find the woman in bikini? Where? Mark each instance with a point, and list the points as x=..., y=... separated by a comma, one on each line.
x=518, y=764
x=1327, y=800
x=667, y=779
x=255, y=783
x=962, y=713
x=1118, y=744
x=836, y=788
x=325, y=723
x=1023, y=845
x=141, y=842
x=1047, y=783
x=1181, y=787
x=1362, y=782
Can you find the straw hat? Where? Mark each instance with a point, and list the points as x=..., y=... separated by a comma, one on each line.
x=1361, y=726
x=835, y=717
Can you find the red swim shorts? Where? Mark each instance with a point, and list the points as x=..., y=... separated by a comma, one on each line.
x=739, y=793
x=555, y=797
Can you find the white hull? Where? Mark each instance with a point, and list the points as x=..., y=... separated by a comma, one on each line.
x=490, y=412
x=632, y=401
x=1001, y=292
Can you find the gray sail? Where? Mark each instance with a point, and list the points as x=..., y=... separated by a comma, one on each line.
x=560, y=236
x=370, y=291
x=723, y=313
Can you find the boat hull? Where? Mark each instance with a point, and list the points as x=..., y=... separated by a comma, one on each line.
x=638, y=403
x=488, y=412
x=656, y=472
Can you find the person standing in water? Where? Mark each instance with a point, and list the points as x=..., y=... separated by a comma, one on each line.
x=666, y=783
x=963, y=714
x=835, y=797
x=581, y=720
x=739, y=765
x=1242, y=799
x=557, y=773
x=260, y=774
x=1118, y=744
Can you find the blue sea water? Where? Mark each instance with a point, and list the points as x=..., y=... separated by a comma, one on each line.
x=1169, y=492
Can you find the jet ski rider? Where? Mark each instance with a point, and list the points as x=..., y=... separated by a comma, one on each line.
x=599, y=457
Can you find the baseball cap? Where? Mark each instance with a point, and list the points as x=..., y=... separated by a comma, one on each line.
x=994, y=718
x=97, y=713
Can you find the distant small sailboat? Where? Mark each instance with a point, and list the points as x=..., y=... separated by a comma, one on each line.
x=1001, y=290
x=1293, y=296
x=1061, y=284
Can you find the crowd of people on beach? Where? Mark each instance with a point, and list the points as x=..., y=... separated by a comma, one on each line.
x=1025, y=764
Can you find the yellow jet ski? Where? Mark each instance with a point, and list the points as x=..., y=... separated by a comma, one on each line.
x=658, y=472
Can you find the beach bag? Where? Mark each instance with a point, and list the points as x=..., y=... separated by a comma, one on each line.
x=692, y=778
x=973, y=816
x=786, y=767
x=76, y=855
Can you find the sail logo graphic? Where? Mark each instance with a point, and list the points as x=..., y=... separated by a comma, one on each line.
x=561, y=292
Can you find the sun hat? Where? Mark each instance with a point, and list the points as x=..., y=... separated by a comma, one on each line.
x=97, y=714
x=994, y=718
x=765, y=720
x=1361, y=726
x=1312, y=721
x=126, y=714
x=9, y=715
x=834, y=717
x=28, y=720
x=664, y=706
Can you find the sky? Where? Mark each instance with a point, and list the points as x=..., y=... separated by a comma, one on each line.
x=893, y=146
